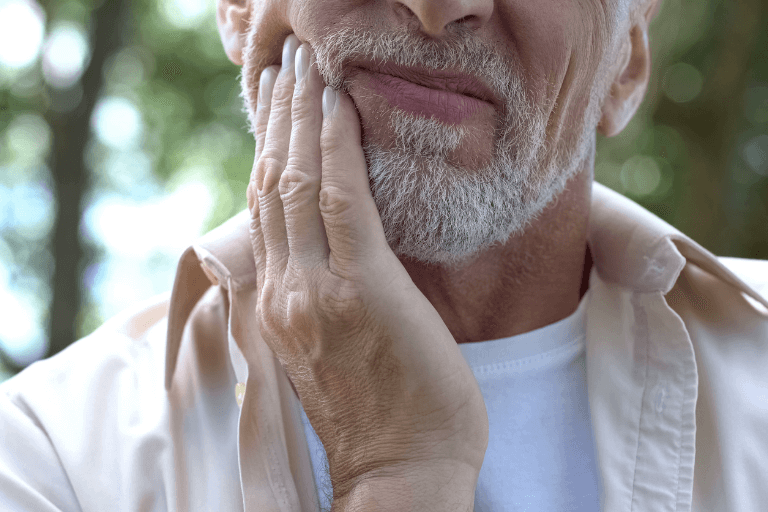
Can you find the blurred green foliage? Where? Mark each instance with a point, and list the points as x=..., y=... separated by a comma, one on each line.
x=696, y=153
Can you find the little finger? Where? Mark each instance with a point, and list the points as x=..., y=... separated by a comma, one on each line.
x=272, y=162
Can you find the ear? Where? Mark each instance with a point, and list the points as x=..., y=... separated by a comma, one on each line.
x=233, y=18
x=628, y=88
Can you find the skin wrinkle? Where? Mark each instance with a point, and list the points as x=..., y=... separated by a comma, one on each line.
x=447, y=210
x=420, y=238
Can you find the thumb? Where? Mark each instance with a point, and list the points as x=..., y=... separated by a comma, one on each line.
x=352, y=222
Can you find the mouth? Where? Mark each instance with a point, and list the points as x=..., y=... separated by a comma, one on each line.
x=448, y=96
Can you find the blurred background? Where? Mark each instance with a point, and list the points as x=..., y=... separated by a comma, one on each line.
x=122, y=139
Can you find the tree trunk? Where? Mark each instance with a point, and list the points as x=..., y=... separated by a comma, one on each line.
x=71, y=130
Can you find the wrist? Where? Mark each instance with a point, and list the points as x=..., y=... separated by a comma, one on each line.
x=423, y=487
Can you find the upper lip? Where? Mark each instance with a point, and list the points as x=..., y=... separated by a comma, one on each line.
x=452, y=81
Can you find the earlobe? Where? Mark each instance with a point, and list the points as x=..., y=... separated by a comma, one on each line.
x=232, y=18
x=630, y=83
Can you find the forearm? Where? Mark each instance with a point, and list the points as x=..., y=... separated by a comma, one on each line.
x=428, y=488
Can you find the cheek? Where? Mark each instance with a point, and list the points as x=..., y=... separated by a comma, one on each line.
x=560, y=45
x=310, y=19
x=539, y=37
x=269, y=28
x=273, y=20
x=590, y=38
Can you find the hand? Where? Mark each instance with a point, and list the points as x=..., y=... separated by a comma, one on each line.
x=380, y=377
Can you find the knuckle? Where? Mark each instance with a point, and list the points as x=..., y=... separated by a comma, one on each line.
x=295, y=182
x=288, y=320
x=334, y=201
x=296, y=311
x=270, y=166
x=271, y=162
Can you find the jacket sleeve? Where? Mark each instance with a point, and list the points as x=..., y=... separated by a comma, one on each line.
x=31, y=475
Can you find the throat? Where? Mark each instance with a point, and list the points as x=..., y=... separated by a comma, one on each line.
x=490, y=301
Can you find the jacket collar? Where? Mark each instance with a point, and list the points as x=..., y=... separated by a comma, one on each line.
x=630, y=247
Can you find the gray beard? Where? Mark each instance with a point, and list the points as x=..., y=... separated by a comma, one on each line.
x=436, y=212
x=432, y=210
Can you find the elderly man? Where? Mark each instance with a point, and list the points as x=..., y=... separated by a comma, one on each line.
x=429, y=305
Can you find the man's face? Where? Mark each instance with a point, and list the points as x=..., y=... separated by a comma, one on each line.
x=470, y=132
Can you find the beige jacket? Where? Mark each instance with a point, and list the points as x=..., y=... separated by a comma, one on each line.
x=143, y=415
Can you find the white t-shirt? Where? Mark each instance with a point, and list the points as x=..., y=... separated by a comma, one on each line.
x=541, y=454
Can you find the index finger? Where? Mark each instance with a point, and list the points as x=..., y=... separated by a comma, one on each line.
x=352, y=222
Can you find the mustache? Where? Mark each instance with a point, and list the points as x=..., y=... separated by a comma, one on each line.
x=459, y=50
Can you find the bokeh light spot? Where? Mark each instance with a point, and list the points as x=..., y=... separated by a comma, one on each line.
x=186, y=14
x=22, y=27
x=21, y=333
x=66, y=55
x=139, y=228
x=682, y=82
x=127, y=67
x=608, y=173
x=755, y=153
x=29, y=138
x=640, y=175
x=117, y=122
x=32, y=206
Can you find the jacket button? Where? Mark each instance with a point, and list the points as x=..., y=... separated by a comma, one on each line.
x=240, y=393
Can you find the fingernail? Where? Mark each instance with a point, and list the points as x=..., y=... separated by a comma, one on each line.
x=302, y=62
x=329, y=101
x=289, y=50
x=266, y=84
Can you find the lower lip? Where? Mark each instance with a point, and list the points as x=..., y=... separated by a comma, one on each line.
x=446, y=106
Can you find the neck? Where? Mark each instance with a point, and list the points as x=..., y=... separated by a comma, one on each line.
x=533, y=280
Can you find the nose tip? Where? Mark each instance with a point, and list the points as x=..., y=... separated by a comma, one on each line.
x=435, y=15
